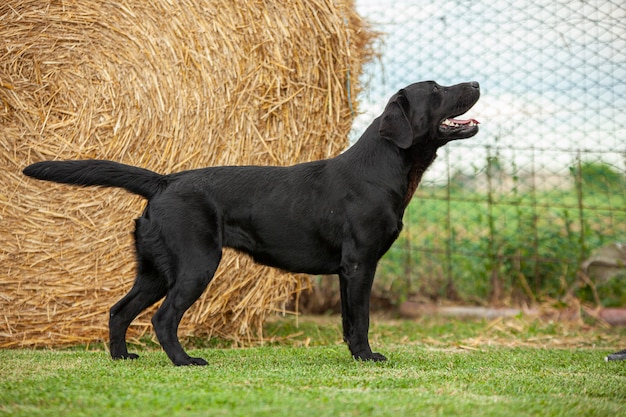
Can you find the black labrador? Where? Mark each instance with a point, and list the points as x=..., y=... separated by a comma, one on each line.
x=334, y=216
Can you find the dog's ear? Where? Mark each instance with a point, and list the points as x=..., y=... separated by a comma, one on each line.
x=394, y=123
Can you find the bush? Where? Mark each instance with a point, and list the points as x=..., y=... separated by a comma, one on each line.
x=505, y=247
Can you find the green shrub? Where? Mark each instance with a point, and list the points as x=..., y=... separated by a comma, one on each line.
x=479, y=247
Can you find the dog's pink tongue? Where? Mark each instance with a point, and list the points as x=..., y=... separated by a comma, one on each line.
x=464, y=122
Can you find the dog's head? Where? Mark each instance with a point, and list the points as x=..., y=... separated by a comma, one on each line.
x=424, y=113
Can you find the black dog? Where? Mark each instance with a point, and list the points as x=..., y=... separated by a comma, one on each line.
x=335, y=216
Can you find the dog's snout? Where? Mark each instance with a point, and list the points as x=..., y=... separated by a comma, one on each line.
x=475, y=84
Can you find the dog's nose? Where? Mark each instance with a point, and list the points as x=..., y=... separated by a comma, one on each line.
x=475, y=84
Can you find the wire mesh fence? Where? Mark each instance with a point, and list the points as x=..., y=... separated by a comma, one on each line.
x=513, y=213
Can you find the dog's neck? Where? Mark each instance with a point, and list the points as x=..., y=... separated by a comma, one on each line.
x=420, y=158
x=402, y=169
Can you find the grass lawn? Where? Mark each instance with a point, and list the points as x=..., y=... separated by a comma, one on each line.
x=511, y=367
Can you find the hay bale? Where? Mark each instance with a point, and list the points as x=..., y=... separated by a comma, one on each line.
x=167, y=86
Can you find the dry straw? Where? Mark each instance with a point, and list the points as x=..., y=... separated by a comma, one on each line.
x=166, y=85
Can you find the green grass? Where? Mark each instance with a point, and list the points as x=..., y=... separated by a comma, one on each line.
x=435, y=367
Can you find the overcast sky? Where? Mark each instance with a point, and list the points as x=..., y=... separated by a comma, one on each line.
x=552, y=73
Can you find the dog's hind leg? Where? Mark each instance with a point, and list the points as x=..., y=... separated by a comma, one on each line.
x=190, y=283
x=191, y=232
x=149, y=288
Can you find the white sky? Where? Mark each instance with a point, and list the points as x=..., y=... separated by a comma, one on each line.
x=552, y=73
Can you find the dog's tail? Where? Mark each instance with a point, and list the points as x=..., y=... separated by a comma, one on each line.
x=97, y=172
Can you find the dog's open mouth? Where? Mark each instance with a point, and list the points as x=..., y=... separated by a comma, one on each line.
x=457, y=122
x=451, y=128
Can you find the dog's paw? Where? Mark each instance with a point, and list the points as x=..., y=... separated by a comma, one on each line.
x=370, y=356
x=199, y=362
x=126, y=356
x=378, y=357
x=191, y=362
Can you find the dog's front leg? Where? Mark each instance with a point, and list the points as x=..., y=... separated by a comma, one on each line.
x=355, y=282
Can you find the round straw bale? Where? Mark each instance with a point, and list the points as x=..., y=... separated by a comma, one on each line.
x=167, y=86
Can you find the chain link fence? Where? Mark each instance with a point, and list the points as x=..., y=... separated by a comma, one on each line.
x=512, y=214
